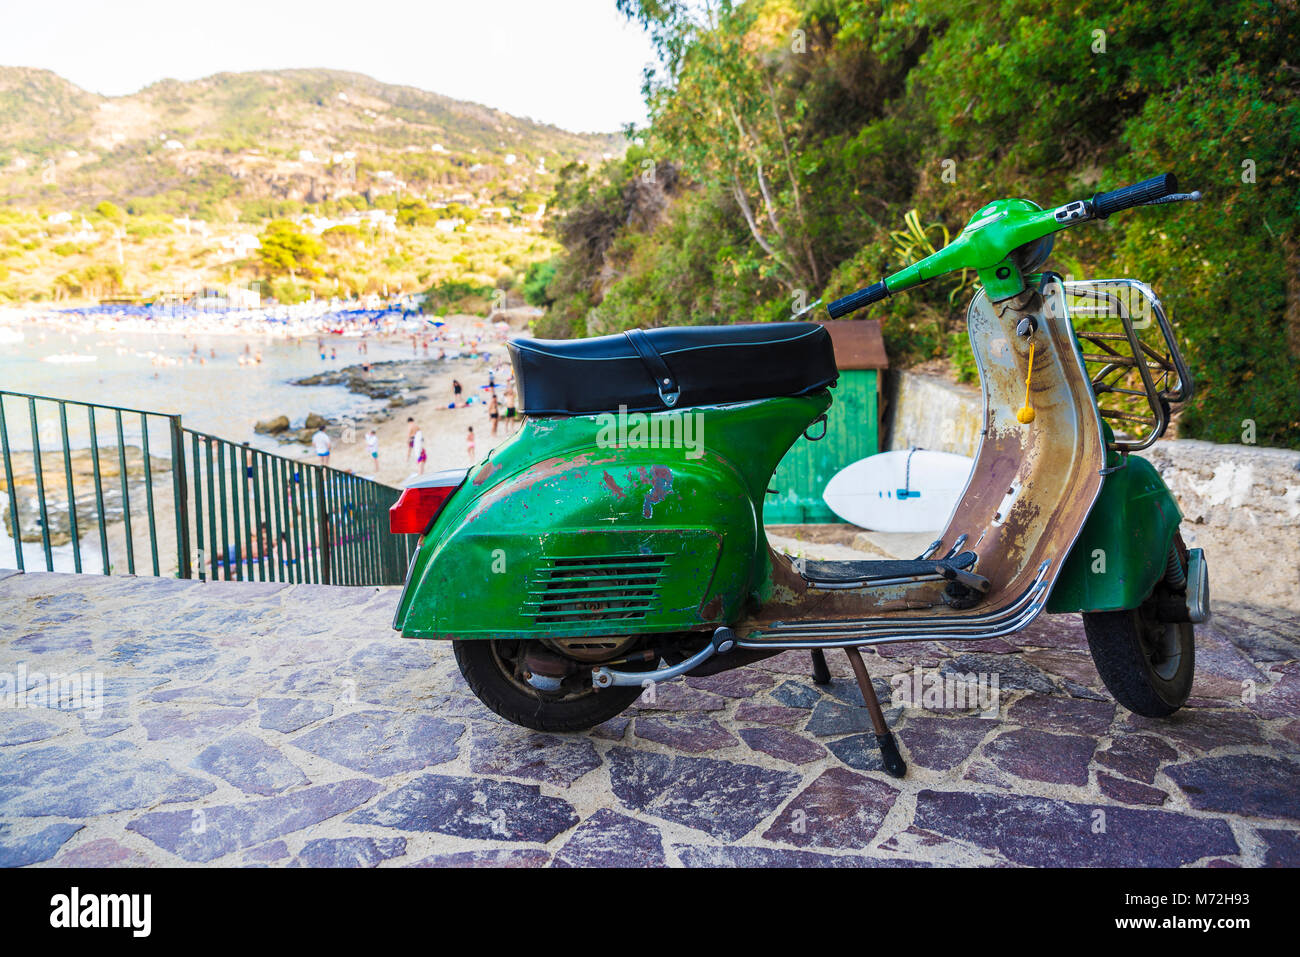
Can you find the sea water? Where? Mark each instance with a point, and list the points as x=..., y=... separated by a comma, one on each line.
x=161, y=372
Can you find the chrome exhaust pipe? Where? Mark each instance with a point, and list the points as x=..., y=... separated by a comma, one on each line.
x=723, y=640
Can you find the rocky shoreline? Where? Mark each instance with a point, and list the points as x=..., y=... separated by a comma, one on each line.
x=394, y=380
x=384, y=380
x=466, y=349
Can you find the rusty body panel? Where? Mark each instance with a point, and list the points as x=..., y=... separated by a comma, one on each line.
x=1029, y=494
x=567, y=531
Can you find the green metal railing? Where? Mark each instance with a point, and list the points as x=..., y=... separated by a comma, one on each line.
x=147, y=496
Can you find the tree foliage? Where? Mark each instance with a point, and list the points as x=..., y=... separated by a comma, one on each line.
x=288, y=250
x=800, y=133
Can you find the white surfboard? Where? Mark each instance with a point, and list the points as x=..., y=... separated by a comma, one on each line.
x=903, y=491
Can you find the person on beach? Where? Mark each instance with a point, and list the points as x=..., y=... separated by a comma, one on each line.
x=322, y=444
x=494, y=411
x=411, y=429
x=293, y=493
x=510, y=407
x=372, y=446
x=263, y=546
x=421, y=456
x=249, y=472
x=455, y=391
x=469, y=444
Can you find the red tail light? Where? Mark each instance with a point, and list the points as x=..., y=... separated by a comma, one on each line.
x=421, y=502
x=416, y=509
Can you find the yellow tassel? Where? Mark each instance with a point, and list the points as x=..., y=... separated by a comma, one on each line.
x=1026, y=415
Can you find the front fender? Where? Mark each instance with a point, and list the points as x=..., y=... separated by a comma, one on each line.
x=1122, y=551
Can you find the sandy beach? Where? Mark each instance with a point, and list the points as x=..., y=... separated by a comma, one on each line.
x=430, y=403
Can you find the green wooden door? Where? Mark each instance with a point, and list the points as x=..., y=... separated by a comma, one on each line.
x=851, y=434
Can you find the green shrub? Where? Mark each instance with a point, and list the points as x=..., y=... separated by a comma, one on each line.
x=939, y=106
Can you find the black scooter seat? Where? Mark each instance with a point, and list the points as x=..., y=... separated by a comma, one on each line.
x=706, y=365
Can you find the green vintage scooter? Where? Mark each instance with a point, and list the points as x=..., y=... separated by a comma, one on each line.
x=617, y=539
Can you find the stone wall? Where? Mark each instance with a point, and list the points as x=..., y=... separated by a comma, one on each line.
x=1231, y=485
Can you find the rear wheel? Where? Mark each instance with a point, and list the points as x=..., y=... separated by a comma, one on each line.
x=497, y=673
x=1147, y=664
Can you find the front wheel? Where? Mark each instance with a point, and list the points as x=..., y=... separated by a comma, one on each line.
x=495, y=672
x=1146, y=664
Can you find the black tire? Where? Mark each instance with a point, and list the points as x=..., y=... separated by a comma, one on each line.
x=489, y=676
x=1147, y=665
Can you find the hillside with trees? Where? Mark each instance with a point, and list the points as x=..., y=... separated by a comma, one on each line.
x=174, y=186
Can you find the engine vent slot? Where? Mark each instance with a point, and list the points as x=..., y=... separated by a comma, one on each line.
x=595, y=588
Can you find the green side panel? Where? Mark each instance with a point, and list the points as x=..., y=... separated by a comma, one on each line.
x=1122, y=550
x=852, y=433
x=570, y=529
x=549, y=584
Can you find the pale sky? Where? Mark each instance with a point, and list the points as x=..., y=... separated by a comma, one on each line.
x=574, y=63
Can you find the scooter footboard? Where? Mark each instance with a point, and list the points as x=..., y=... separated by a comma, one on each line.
x=1034, y=482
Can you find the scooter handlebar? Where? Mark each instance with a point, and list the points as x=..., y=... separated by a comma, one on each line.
x=856, y=300
x=1103, y=204
x=1163, y=187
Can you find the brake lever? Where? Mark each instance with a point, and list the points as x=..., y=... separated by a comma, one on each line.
x=1192, y=197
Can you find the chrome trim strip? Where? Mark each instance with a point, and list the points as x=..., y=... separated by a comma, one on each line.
x=840, y=639
x=993, y=615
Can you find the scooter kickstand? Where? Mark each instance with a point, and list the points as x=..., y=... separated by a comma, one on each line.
x=821, y=673
x=893, y=761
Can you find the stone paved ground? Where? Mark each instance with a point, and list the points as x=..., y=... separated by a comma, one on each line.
x=251, y=724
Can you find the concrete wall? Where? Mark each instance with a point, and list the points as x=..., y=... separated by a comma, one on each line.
x=926, y=412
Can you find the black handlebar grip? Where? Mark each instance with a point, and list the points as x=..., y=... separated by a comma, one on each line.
x=856, y=300
x=1103, y=204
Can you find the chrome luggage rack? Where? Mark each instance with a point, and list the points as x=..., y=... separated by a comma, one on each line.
x=1161, y=372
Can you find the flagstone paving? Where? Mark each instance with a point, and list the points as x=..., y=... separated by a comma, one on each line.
x=249, y=724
